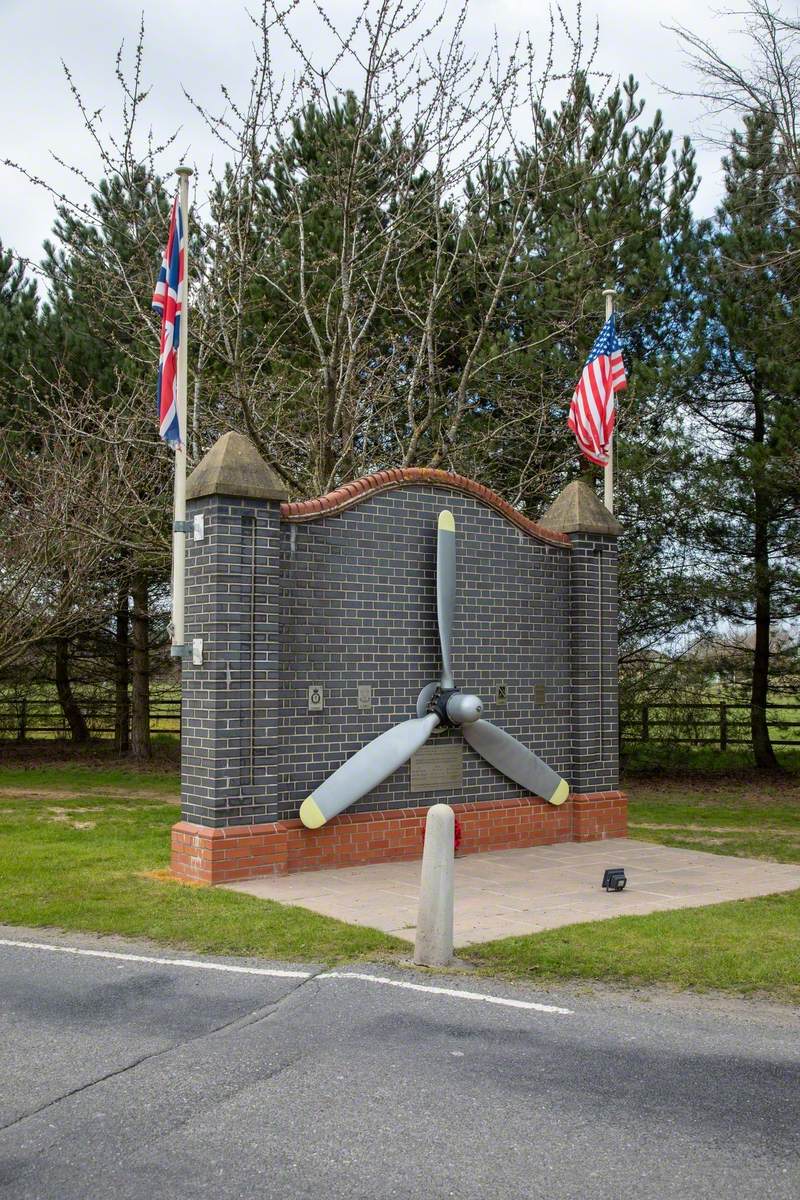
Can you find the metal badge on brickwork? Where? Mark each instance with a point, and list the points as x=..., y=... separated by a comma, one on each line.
x=316, y=698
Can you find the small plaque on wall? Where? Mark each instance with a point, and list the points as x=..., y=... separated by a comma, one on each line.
x=437, y=768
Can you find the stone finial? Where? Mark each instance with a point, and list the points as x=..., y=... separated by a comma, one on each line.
x=233, y=467
x=578, y=510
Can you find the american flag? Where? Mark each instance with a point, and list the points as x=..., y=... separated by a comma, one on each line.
x=592, y=412
x=167, y=301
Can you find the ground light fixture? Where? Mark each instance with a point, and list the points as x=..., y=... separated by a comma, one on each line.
x=614, y=879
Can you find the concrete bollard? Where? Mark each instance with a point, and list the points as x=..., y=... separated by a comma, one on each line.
x=434, y=942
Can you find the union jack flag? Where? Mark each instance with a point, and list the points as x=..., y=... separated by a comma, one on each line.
x=592, y=412
x=167, y=301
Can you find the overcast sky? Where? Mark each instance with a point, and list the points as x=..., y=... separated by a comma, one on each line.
x=199, y=43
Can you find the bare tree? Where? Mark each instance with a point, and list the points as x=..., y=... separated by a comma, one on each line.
x=87, y=416
x=103, y=457
x=400, y=262
x=48, y=569
x=767, y=81
x=363, y=243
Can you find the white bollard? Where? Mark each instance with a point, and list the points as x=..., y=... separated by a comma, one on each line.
x=434, y=942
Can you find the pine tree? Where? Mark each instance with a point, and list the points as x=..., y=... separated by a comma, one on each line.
x=742, y=393
x=19, y=327
x=611, y=207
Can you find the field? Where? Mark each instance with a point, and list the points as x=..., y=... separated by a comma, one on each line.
x=85, y=846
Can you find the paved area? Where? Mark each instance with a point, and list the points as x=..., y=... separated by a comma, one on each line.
x=513, y=892
x=138, y=1079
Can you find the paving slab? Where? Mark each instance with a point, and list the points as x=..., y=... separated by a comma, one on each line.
x=512, y=892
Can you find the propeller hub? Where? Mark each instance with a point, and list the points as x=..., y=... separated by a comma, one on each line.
x=463, y=708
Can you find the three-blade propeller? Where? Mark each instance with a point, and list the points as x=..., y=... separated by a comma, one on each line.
x=437, y=705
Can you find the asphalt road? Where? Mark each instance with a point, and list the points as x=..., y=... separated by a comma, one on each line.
x=122, y=1079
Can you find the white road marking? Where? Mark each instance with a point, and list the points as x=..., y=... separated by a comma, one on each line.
x=276, y=973
x=506, y=1001
x=164, y=962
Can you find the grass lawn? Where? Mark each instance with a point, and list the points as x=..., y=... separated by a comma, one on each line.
x=86, y=846
x=744, y=946
x=81, y=847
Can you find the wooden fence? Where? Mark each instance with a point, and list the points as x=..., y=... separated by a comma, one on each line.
x=723, y=724
x=27, y=718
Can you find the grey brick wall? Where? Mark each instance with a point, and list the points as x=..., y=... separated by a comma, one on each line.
x=228, y=738
x=358, y=605
x=349, y=599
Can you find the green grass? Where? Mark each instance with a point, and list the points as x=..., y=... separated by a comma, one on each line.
x=746, y=818
x=85, y=846
x=80, y=779
x=745, y=946
x=85, y=862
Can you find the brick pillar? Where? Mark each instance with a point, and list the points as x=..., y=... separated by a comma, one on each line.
x=595, y=718
x=599, y=808
x=230, y=702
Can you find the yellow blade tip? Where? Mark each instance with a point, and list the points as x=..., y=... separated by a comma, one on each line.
x=446, y=520
x=310, y=814
x=559, y=795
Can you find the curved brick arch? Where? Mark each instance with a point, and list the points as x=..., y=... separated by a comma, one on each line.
x=385, y=481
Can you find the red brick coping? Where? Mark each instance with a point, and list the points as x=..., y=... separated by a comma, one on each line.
x=205, y=855
x=385, y=481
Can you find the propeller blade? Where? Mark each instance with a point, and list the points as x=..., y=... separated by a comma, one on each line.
x=515, y=761
x=366, y=769
x=446, y=590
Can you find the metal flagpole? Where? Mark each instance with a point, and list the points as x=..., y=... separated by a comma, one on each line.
x=179, y=510
x=608, y=471
x=608, y=500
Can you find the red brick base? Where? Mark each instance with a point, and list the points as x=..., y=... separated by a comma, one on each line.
x=208, y=855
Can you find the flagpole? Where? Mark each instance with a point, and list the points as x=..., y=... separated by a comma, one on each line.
x=179, y=508
x=608, y=471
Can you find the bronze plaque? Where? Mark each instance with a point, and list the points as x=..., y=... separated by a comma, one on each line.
x=437, y=768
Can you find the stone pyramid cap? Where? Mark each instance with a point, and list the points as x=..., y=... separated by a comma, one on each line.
x=233, y=467
x=578, y=510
